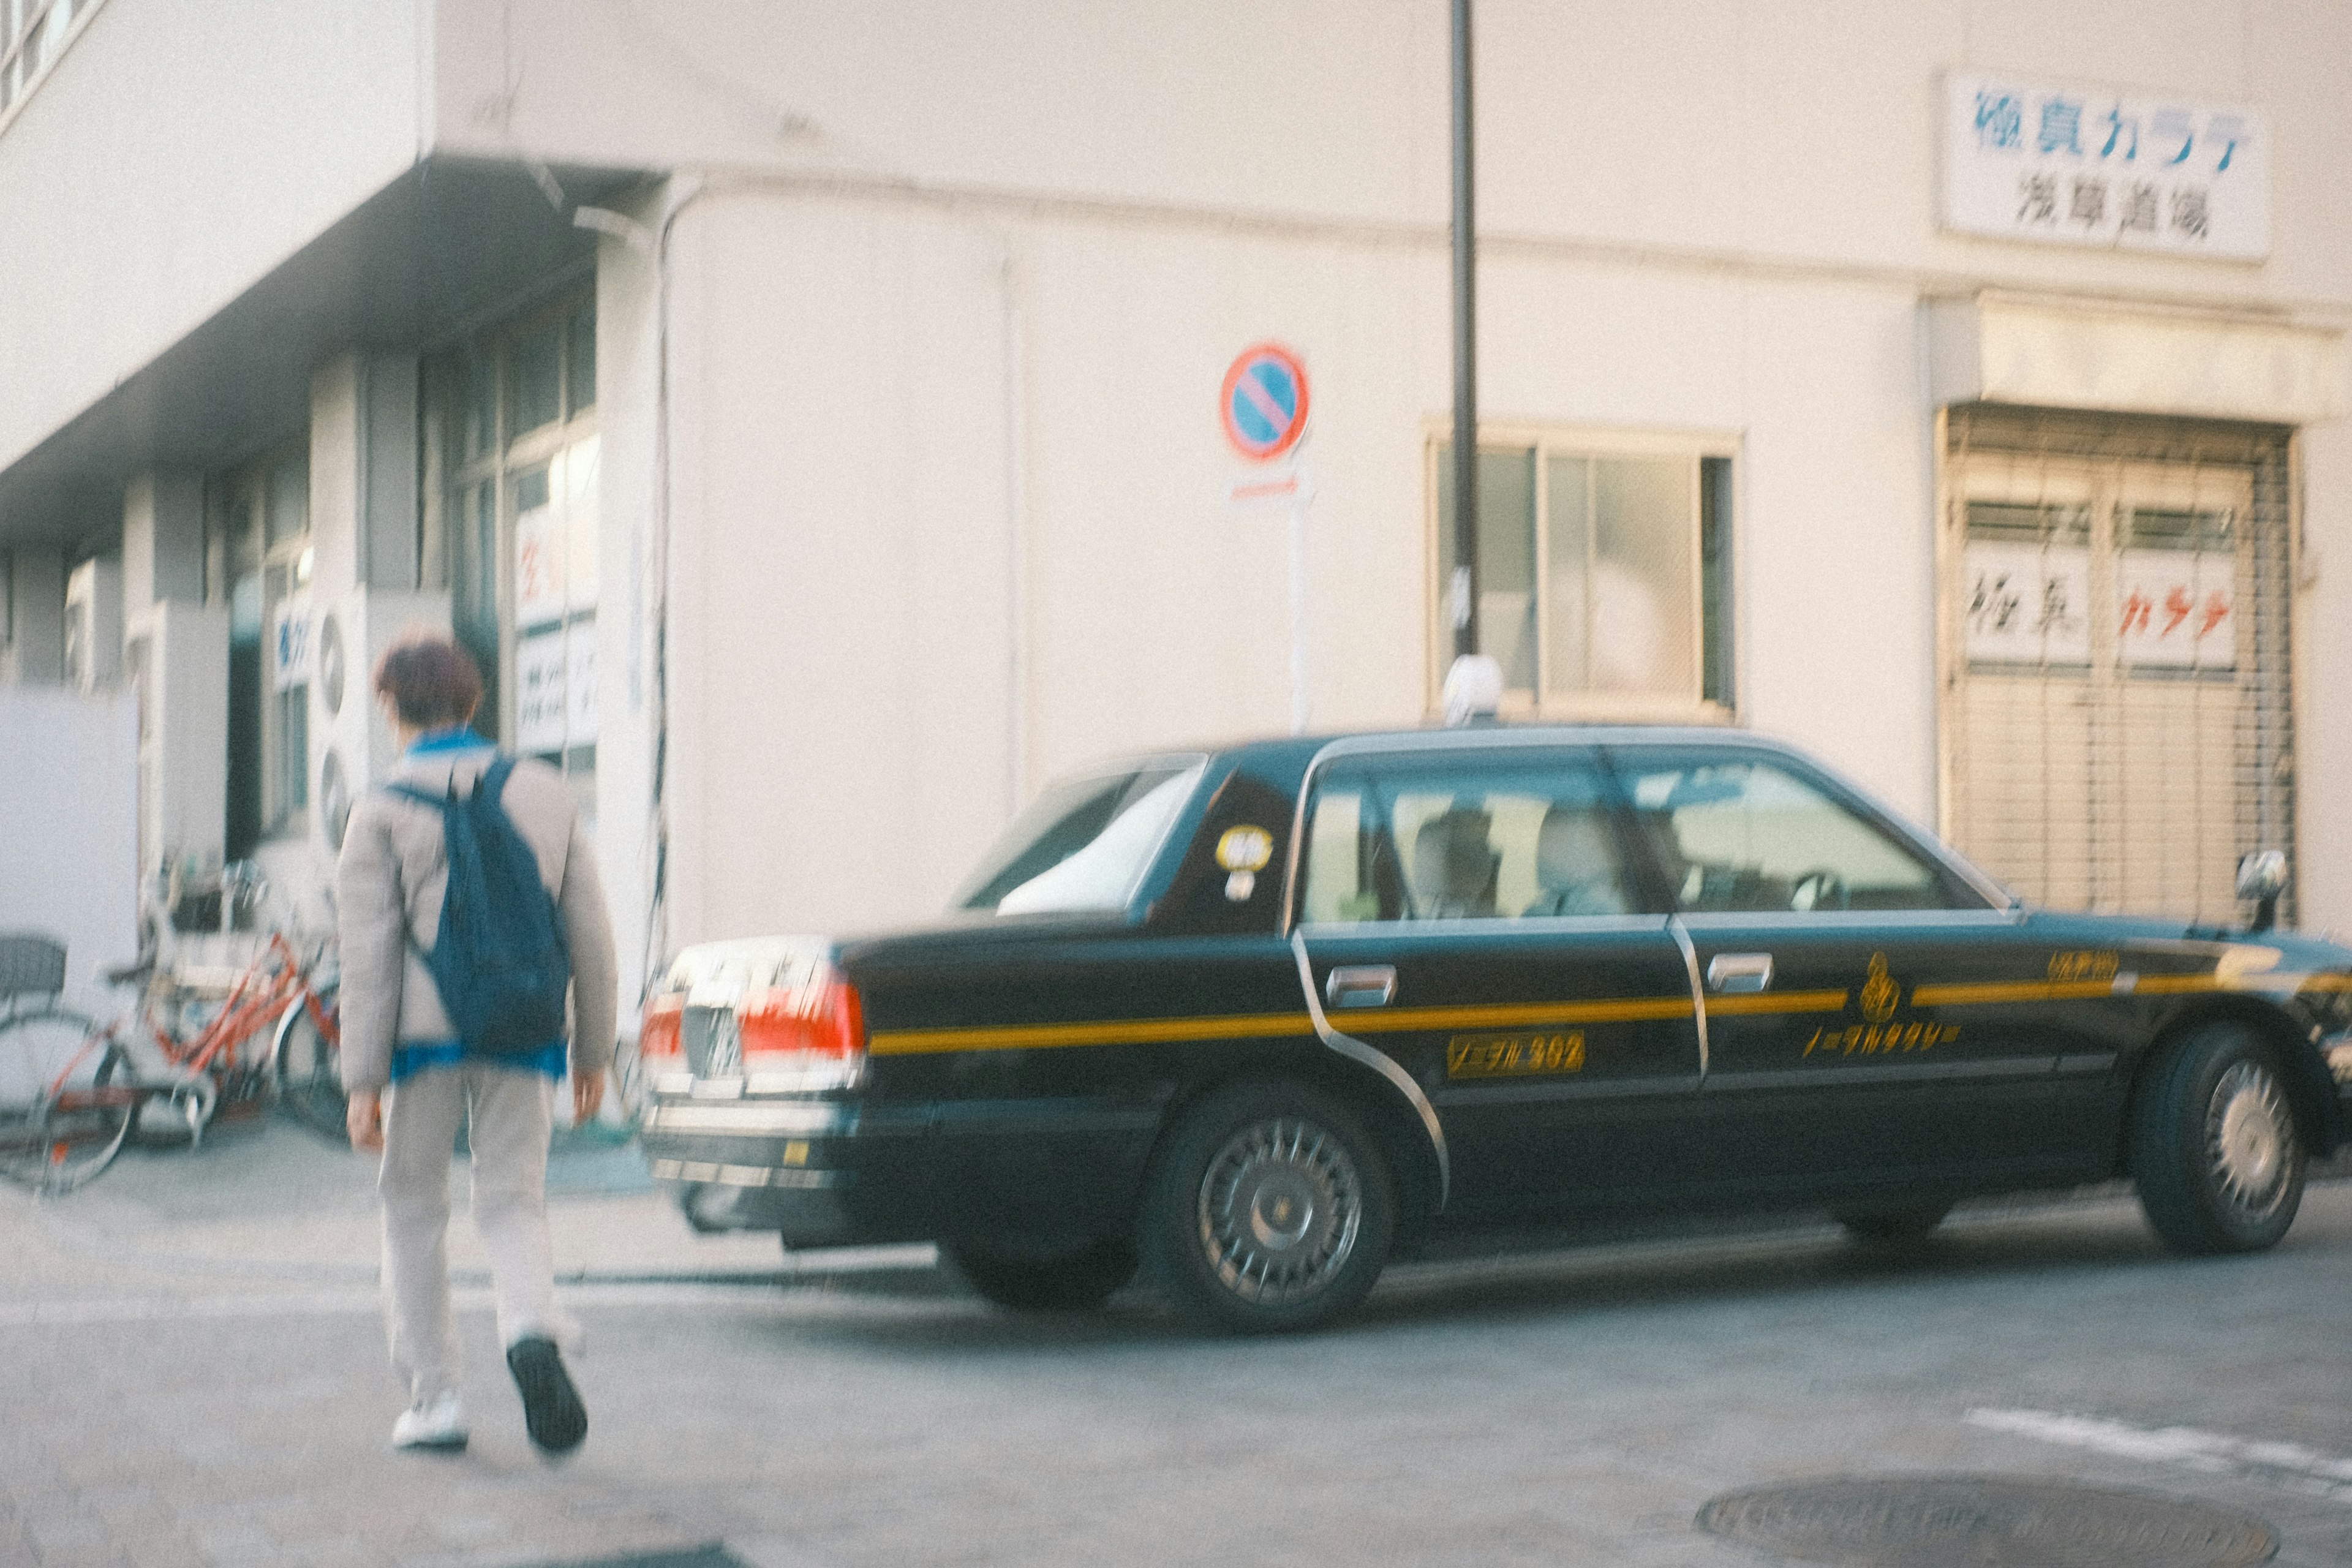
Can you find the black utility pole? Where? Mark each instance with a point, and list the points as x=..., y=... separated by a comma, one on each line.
x=1463, y=594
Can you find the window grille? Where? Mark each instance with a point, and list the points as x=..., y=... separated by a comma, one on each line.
x=2118, y=701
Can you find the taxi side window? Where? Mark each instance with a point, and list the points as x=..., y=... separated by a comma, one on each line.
x=1749, y=836
x=1526, y=841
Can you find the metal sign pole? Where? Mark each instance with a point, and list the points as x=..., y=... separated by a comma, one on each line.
x=1298, y=607
x=1464, y=594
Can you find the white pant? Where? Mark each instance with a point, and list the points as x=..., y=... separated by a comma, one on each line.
x=511, y=1113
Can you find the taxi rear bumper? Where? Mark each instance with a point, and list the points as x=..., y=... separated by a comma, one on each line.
x=820, y=1172
x=845, y=1171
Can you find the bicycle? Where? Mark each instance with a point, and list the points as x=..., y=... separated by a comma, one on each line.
x=69, y=1091
x=207, y=1027
x=71, y=1094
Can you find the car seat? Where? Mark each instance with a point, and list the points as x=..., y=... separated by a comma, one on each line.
x=1454, y=868
x=1578, y=869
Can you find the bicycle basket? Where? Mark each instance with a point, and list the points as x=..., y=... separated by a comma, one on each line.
x=31, y=965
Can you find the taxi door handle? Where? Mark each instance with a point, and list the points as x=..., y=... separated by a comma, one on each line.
x=1735, y=972
x=1361, y=986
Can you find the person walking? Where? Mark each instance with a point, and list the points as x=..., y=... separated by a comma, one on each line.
x=416, y=960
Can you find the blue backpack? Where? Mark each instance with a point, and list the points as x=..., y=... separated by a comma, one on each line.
x=499, y=961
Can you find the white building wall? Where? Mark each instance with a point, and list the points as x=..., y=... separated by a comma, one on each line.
x=628, y=388
x=172, y=157
x=841, y=655
x=1796, y=134
x=837, y=634
x=944, y=487
x=2323, y=630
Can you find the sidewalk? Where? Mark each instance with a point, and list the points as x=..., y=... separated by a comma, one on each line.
x=269, y=1202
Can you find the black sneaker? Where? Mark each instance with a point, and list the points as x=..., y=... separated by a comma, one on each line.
x=551, y=1410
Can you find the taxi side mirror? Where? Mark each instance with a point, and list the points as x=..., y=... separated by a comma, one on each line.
x=2262, y=876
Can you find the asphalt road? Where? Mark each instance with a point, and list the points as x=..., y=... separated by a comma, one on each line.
x=192, y=1371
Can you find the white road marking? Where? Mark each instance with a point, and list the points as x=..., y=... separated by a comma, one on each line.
x=2291, y=1465
x=330, y=1303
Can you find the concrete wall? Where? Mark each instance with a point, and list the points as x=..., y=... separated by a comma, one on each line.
x=174, y=155
x=1794, y=133
x=945, y=491
x=68, y=860
x=853, y=374
x=2323, y=630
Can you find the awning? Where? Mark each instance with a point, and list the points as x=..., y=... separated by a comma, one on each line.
x=2068, y=353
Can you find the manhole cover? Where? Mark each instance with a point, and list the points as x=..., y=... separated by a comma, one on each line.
x=713, y=1556
x=1979, y=1521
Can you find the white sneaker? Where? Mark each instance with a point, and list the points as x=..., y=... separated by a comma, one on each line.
x=438, y=1422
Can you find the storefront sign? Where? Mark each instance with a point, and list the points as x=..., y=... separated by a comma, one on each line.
x=2028, y=604
x=2091, y=166
x=2171, y=609
x=2177, y=609
x=539, y=566
x=579, y=684
x=555, y=689
x=289, y=645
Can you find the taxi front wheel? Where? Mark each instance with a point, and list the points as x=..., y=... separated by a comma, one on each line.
x=1269, y=1209
x=2214, y=1144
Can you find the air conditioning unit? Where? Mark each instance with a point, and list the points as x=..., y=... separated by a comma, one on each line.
x=350, y=744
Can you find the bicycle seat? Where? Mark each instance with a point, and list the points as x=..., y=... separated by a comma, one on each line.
x=31, y=965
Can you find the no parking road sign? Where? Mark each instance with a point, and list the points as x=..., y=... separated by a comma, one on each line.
x=1265, y=402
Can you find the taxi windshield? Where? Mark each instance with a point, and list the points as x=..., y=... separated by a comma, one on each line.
x=1086, y=843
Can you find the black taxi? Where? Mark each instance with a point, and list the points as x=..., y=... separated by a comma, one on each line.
x=1259, y=1019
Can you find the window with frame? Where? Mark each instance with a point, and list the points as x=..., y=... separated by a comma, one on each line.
x=520, y=513
x=1603, y=575
x=260, y=519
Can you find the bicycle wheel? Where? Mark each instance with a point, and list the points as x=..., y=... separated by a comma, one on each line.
x=68, y=1096
x=310, y=1071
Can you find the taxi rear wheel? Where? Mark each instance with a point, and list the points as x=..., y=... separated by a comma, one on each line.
x=2215, y=1148
x=1074, y=1280
x=1269, y=1209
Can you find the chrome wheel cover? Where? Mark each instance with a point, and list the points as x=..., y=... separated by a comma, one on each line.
x=1281, y=1204
x=2250, y=1141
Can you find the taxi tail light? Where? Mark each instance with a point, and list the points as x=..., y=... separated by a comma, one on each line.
x=659, y=1036
x=821, y=1017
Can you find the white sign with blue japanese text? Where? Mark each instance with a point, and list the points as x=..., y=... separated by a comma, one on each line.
x=2098, y=167
x=289, y=645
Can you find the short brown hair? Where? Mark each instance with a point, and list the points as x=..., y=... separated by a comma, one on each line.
x=431, y=680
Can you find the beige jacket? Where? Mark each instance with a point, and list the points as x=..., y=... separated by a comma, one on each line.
x=389, y=884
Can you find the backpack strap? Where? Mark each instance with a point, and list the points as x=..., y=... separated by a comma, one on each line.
x=435, y=803
x=492, y=785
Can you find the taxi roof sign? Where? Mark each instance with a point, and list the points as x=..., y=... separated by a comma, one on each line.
x=1264, y=403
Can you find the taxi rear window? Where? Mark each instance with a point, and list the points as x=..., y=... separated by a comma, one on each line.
x=1087, y=842
x=1469, y=839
